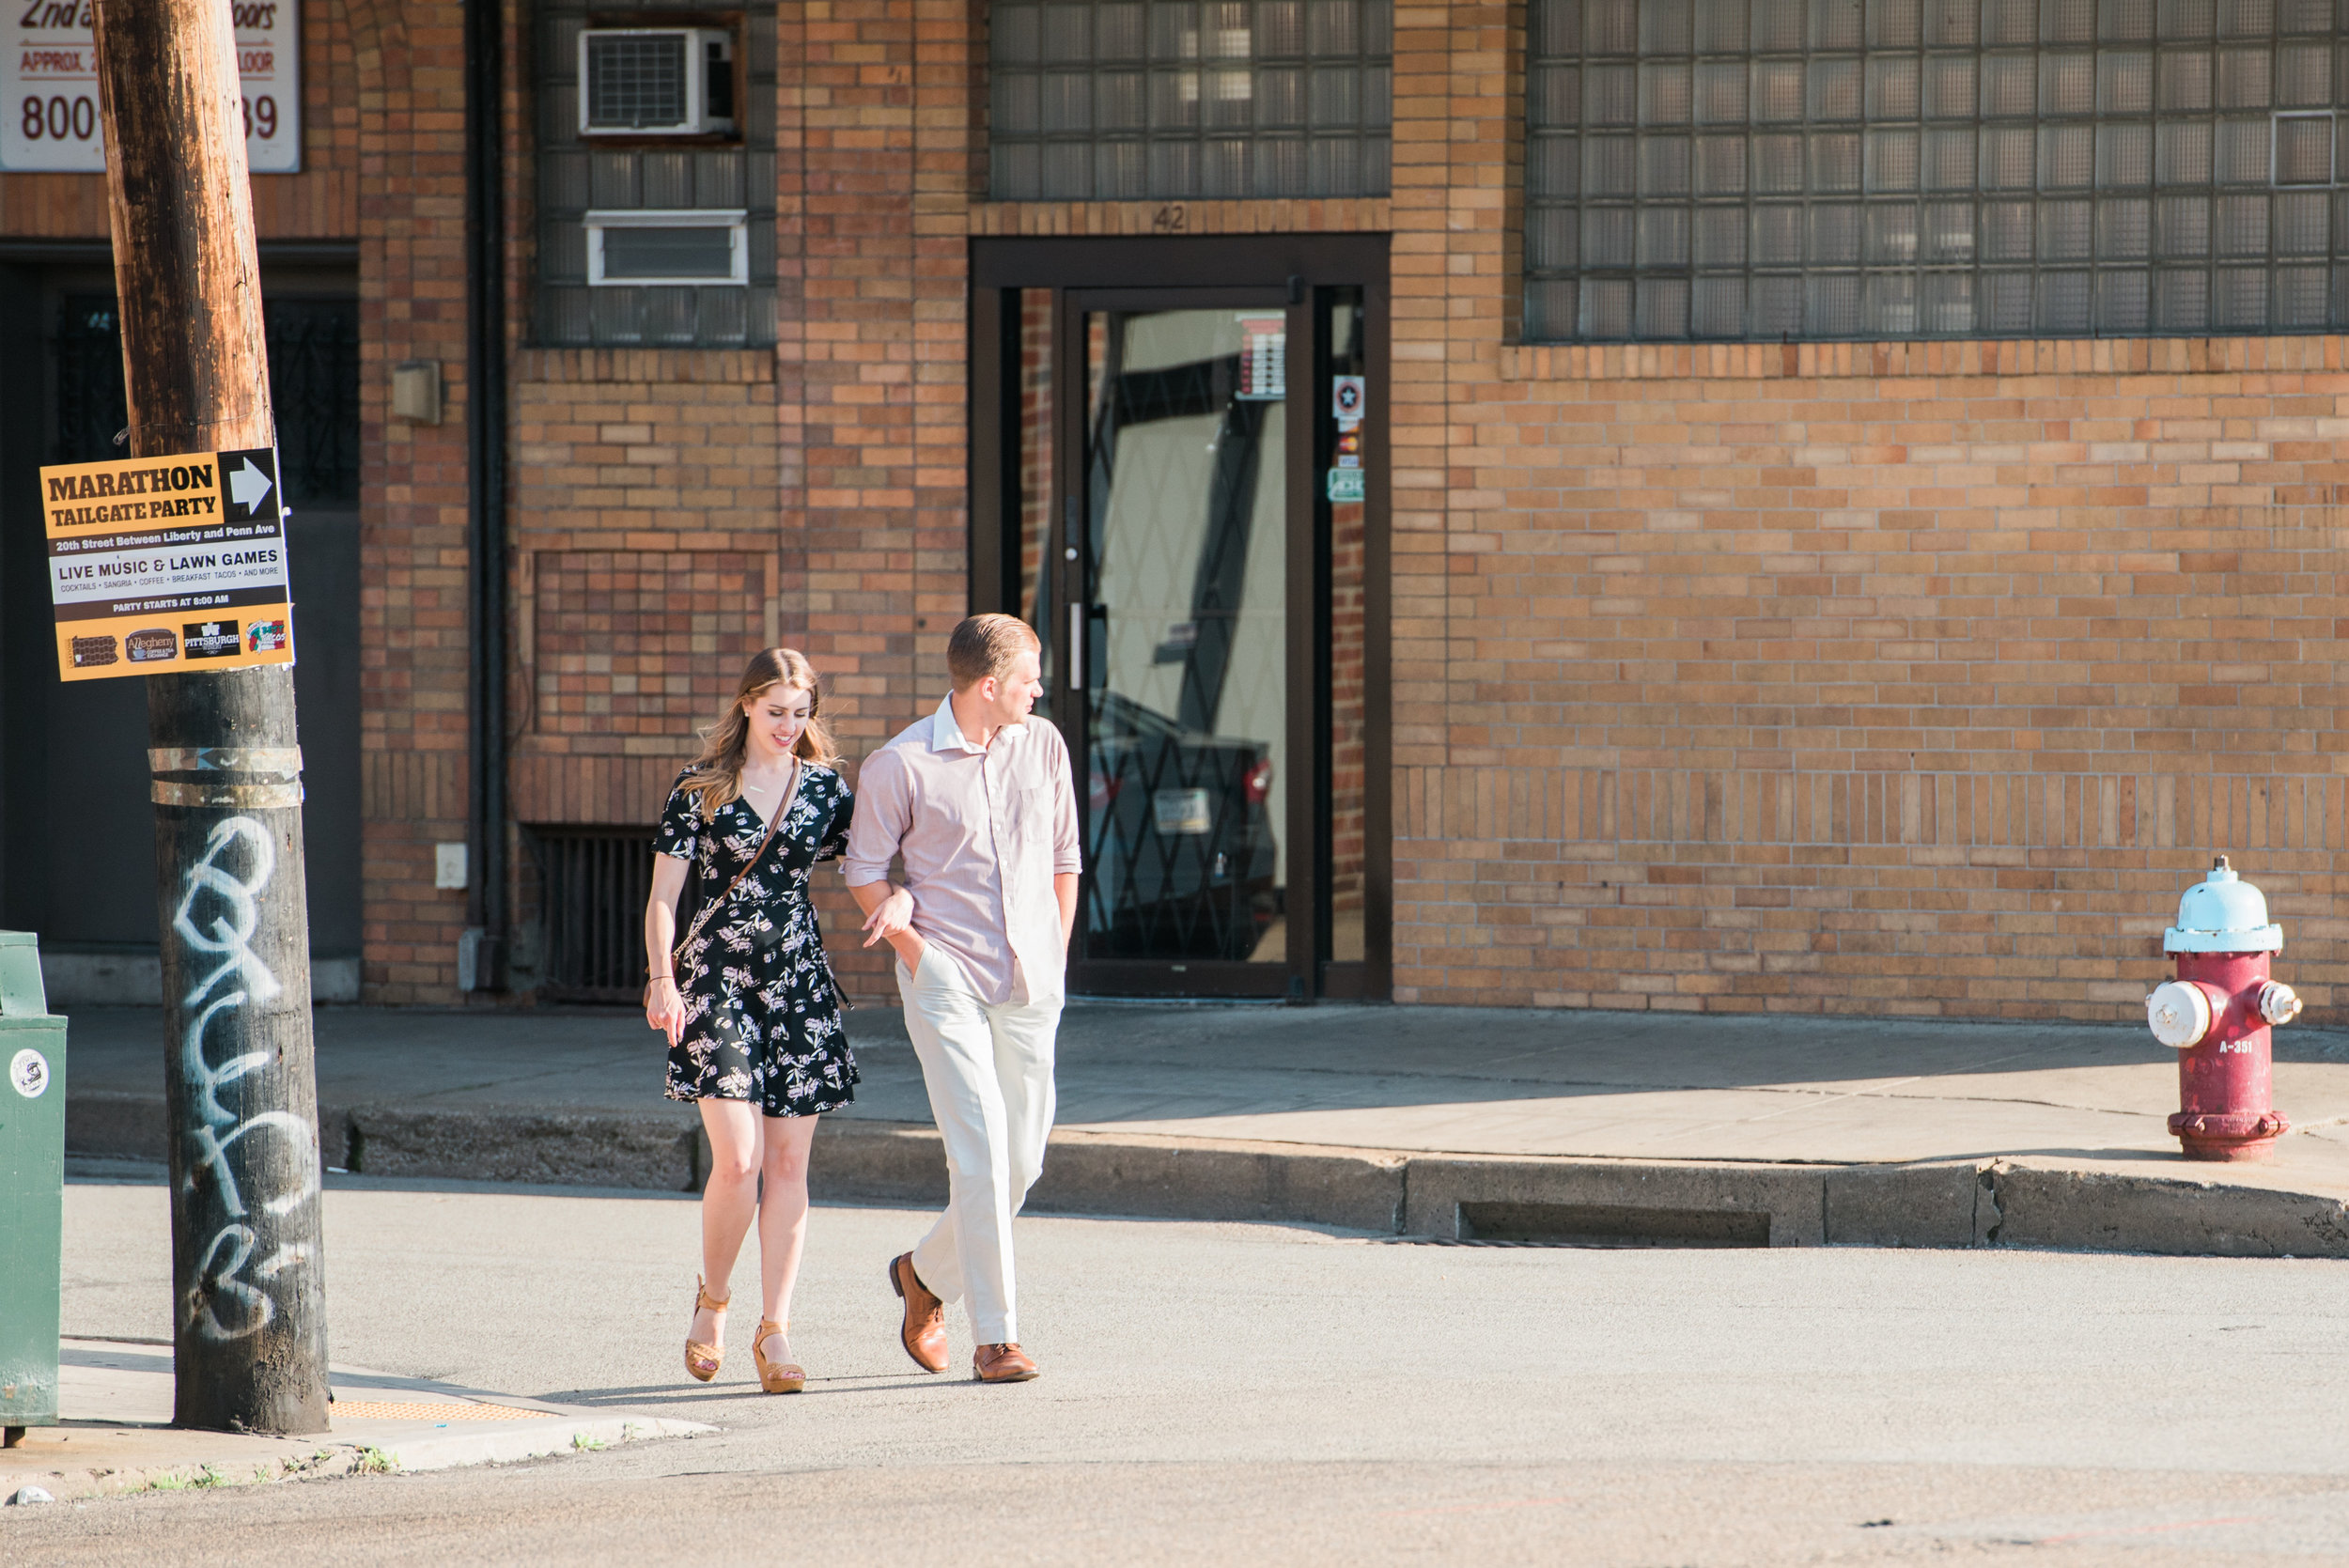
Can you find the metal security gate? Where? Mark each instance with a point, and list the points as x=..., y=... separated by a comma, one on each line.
x=592, y=885
x=314, y=389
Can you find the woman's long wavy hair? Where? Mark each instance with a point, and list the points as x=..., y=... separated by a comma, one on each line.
x=716, y=775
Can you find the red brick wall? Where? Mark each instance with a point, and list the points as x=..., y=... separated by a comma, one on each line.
x=875, y=151
x=644, y=534
x=1856, y=677
x=410, y=65
x=1709, y=685
x=1853, y=679
x=1846, y=678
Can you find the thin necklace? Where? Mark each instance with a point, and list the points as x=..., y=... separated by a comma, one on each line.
x=769, y=789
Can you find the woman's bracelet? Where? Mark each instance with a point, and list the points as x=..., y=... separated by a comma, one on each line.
x=670, y=976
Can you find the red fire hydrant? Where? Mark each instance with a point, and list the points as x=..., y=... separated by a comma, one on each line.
x=2217, y=1013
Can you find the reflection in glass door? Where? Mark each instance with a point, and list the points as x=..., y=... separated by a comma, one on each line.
x=1183, y=624
x=1178, y=478
x=1343, y=607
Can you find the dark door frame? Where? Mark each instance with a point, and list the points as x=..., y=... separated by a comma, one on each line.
x=1300, y=273
x=44, y=723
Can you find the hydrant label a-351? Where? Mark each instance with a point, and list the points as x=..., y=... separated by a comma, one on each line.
x=161, y=564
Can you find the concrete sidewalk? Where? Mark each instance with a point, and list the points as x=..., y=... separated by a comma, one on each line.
x=1453, y=1123
x=115, y=1397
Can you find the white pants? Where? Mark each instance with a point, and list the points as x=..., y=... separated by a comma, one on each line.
x=989, y=1071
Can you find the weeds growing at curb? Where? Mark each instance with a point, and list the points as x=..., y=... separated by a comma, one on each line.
x=374, y=1461
x=182, y=1481
x=581, y=1443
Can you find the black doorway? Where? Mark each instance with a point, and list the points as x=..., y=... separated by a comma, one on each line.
x=77, y=861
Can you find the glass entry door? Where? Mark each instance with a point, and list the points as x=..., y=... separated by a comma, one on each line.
x=1177, y=479
x=1179, y=599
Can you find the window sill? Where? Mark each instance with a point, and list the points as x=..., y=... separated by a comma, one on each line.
x=2112, y=356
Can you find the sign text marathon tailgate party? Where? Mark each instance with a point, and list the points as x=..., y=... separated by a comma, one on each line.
x=167, y=564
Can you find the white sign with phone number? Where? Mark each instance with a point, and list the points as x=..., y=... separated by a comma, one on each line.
x=49, y=87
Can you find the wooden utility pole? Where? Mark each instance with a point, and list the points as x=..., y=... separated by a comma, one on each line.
x=249, y=1319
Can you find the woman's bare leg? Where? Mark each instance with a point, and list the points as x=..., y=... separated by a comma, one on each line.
x=783, y=1215
x=728, y=1199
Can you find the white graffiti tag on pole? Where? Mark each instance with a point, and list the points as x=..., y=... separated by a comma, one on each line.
x=229, y=934
x=226, y=937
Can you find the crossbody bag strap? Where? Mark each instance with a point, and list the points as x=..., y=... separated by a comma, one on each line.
x=757, y=856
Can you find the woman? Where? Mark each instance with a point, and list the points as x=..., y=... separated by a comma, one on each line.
x=747, y=998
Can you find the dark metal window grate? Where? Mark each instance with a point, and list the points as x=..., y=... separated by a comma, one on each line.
x=1768, y=170
x=313, y=348
x=593, y=886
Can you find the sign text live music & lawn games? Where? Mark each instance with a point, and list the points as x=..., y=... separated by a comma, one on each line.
x=161, y=564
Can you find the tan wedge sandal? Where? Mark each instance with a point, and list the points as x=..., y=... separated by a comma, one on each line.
x=703, y=1361
x=776, y=1377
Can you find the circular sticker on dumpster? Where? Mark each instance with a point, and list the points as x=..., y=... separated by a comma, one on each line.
x=28, y=1075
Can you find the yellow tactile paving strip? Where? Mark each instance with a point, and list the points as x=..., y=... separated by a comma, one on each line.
x=406, y=1410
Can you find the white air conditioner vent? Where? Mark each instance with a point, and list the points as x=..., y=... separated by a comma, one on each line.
x=672, y=247
x=656, y=81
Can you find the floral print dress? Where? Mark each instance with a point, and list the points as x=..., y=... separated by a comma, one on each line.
x=762, y=1010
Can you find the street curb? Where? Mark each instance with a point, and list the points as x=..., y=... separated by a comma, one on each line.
x=2096, y=1212
x=335, y=1455
x=660, y=1151
x=116, y=1440
x=73, y=1485
x=1443, y=1197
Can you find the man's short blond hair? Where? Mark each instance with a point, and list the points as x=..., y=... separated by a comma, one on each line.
x=984, y=645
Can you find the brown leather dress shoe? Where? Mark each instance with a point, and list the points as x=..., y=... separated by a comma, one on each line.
x=1001, y=1363
x=924, y=1332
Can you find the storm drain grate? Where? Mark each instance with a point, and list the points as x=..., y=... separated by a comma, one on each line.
x=1608, y=1225
x=1470, y=1241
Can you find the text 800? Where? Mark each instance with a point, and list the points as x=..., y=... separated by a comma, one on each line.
x=75, y=119
x=60, y=119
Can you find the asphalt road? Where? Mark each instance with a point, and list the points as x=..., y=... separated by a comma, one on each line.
x=1218, y=1393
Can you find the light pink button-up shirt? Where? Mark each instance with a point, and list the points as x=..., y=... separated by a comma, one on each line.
x=983, y=830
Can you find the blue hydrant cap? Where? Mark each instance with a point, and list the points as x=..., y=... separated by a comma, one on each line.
x=2222, y=913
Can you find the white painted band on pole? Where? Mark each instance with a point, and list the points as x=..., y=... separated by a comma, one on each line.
x=163, y=792
x=284, y=761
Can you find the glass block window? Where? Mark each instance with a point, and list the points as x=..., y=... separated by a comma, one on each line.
x=629, y=225
x=1131, y=99
x=1772, y=170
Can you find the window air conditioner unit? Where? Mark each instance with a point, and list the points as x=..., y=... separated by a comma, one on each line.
x=656, y=81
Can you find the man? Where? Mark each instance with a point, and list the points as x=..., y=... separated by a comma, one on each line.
x=980, y=805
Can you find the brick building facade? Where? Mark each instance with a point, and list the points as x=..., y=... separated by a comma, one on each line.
x=1901, y=675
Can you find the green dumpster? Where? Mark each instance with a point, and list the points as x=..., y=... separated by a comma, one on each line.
x=32, y=1189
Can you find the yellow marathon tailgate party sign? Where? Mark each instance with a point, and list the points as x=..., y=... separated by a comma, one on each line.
x=167, y=564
